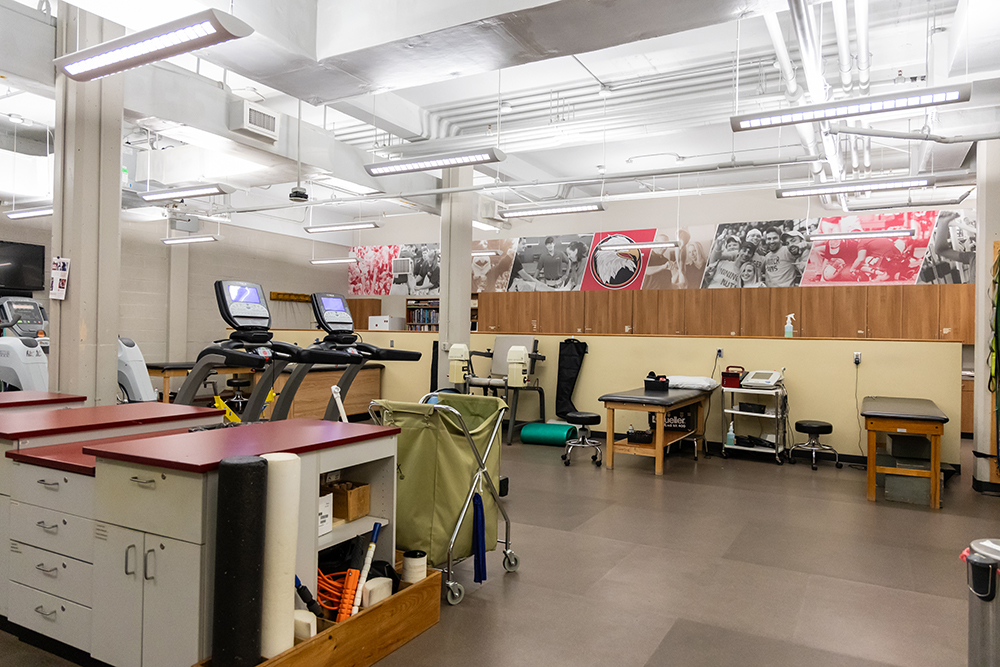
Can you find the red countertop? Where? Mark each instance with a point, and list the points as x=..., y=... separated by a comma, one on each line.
x=38, y=423
x=201, y=451
x=25, y=399
x=70, y=457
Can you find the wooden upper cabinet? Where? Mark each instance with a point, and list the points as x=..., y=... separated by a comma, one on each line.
x=885, y=311
x=755, y=312
x=670, y=312
x=921, y=307
x=645, y=311
x=561, y=312
x=725, y=312
x=817, y=312
x=608, y=312
x=698, y=312
x=519, y=312
x=362, y=309
x=489, y=308
x=958, y=313
x=850, y=310
x=621, y=306
x=785, y=301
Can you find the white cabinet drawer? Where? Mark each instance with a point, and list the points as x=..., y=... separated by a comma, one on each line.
x=59, y=575
x=4, y=551
x=51, y=616
x=154, y=500
x=57, y=490
x=47, y=529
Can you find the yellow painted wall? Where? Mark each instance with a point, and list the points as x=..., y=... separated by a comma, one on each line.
x=819, y=374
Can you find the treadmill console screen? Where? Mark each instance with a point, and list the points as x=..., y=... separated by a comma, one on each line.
x=332, y=313
x=30, y=312
x=242, y=304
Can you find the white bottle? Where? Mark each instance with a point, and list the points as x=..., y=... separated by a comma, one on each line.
x=788, y=325
x=731, y=436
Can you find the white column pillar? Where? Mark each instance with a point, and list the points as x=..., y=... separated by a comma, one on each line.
x=85, y=228
x=988, y=222
x=177, y=304
x=456, y=267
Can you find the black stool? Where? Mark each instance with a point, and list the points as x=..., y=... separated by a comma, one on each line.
x=238, y=402
x=583, y=421
x=814, y=429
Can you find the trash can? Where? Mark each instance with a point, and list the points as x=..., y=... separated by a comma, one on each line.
x=982, y=558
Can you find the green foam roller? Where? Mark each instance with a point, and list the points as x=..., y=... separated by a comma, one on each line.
x=547, y=434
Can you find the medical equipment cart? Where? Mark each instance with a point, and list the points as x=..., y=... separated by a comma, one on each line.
x=775, y=406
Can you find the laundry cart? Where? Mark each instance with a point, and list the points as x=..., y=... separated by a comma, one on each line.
x=447, y=453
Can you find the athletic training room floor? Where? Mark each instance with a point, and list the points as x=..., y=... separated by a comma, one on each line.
x=720, y=563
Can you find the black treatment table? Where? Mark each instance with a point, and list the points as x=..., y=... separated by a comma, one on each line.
x=905, y=415
x=662, y=403
x=174, y=369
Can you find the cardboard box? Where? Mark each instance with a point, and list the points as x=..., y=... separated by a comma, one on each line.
x=351, y=500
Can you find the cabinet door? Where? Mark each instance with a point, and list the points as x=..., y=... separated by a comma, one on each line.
x=755, y=312
x=850, y=306
x=620, y=311
x=670, y=312
x=488, y=311
x=172, y=610
x=785, y=300
x=698, y=312
x=817, y=312
x=645, y=307
x=921, y=312
x=958, y=313
x=561, y=312
x=885, y=311
x=597, y=312
x=116, y=622
x=525, y=311
x=725, y=312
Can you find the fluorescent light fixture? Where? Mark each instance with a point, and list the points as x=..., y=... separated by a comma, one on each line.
x=485, y=253
x=651, y=245
x=857, y=187
x=486, y=227
x=191, y=33
x=180, y=240
x=335, y=260
x=869, y=234
x=210, y=190
x=37, y=212
x=341, y=227
x=550, y=210
x=442, y=161
x=850, y=108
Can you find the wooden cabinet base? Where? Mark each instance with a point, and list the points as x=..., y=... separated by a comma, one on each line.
x=372, y=634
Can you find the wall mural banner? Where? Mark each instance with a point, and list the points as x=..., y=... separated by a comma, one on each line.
x=887, y=261
x=772, y=253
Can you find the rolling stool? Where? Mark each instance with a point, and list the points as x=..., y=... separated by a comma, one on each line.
x=583, y=421
x=814, y=429
x=238, y=402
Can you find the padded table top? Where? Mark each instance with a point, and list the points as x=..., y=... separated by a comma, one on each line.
x=201, y=451
x=643, y=396
x=920, y=409
x=170, y=365
x=25, y=399
x=18, y=425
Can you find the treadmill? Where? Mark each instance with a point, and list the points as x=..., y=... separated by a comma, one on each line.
x=334, y=317
x=244, y=308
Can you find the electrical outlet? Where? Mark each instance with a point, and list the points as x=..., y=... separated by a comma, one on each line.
x=392, y=343
x=718, y=353
x=857, y=358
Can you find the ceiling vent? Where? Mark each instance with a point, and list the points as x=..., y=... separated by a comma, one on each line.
x=489, y=209
x=253, y=120
x=402, y=266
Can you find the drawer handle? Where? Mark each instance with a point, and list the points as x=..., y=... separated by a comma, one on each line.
x=142, y=481
x=145, y=565
x=53, y=528
x=47, y=570
x=41, y=610
x=47, y=484
x=133, y=549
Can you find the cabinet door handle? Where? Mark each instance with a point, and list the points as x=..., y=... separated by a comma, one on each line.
x=53, y=528
x=47, y=484
x=142, y=481
x=133, y=549
x=41, y=610
x=47, y=570
x=145, y=565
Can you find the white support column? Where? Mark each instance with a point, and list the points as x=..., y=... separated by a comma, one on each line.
x=988, y=223
x=456, y=267
x=177, y=303
x=85, y=228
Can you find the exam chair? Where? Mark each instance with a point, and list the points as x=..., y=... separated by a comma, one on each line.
x=496, y=382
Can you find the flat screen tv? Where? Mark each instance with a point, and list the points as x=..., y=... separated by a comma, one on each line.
x=22, y=266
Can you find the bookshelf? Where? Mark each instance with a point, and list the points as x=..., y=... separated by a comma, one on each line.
x=422, y=314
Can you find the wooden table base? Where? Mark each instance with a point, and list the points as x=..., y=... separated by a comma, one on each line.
x=908, y=426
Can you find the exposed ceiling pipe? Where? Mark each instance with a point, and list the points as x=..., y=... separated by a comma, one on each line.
x=732, y=165
x=843, y=45
x=913, y=136
x=912, y=204
x=864, y=71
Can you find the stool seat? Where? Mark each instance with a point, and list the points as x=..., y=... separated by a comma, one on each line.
x=238, y=383
x=813, y=427
x=583, y=418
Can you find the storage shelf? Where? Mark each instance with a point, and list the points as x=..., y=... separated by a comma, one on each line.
x=741, y=390
x=768, y=415
x=347, y=531
x=769, y=450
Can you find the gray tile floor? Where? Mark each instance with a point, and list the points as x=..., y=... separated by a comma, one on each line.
x=717, y=563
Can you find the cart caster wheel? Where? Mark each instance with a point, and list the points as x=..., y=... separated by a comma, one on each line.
x=563, y=457
x=594, y=457
x=814, y=467
x=598, y=463
x=779, y=462
x=566, y=462
x=839, y=465
x=791, y=460
x=511, y=562
x=456, y=592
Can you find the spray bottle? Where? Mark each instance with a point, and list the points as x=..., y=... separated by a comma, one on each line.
x=788, y=324
x=731, y=436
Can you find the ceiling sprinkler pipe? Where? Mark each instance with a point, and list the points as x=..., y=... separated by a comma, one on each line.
x=843, y=45
x=912, y=136
x=864, y=52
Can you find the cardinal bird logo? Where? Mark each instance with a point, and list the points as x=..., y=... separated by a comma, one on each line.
x=615, y=269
